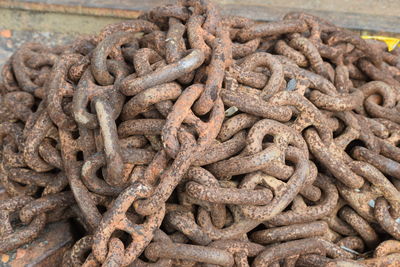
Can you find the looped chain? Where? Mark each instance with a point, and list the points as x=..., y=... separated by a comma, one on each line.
x=186, y=137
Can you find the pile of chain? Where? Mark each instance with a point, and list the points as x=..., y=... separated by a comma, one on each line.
x=186, y=138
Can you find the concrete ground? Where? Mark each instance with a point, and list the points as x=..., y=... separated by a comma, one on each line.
x=10, y=40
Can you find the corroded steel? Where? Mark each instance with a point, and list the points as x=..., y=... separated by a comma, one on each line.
x=188, y=138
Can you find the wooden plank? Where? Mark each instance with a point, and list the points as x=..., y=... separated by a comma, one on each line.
x=367, y=7
x=381, y=7
x=357, y=21
x=103, y=8
x=71, y=23
x=356, y=14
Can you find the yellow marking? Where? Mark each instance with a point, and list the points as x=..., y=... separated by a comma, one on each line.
x=390, y=41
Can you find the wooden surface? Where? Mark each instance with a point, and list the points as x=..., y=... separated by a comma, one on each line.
x=376, y=7
x=371, y=15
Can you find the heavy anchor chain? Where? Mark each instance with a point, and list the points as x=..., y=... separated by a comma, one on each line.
x=188, y=138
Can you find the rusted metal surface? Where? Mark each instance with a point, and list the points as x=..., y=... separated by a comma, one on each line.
x=47, y=250
x=186, y=137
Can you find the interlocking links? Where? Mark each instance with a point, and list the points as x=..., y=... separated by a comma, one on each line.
x=70, y=149
x=188, y=148
x=291, y=232
x=24, y=74
x=269, y=29
x=360, y=225
x=324, y=206
x=132, y=85
x=204, y=186
x=276, y=81
x=78, y=251
x=137, y=25
x=17, y=105
x=221, y=59
x=95, y=162
x=298, y=247
x=187, y=138
x=384, y=164
x=284, y=197
x=58, y=89
x=189, y=252
x=254, y=105
x=332, y=161
x=11, y=239
x=144, y=100
x=112, y=150
x=240, y=250
x=108, y=47
x=87, y=90
x=385, y=219
x=35, y=137
x=115, y=218
x=229, y=195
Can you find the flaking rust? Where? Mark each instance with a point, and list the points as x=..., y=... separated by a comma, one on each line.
x=187, y=138
x=46, y=250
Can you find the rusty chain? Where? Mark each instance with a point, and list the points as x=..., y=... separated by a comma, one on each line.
x=186, y=137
